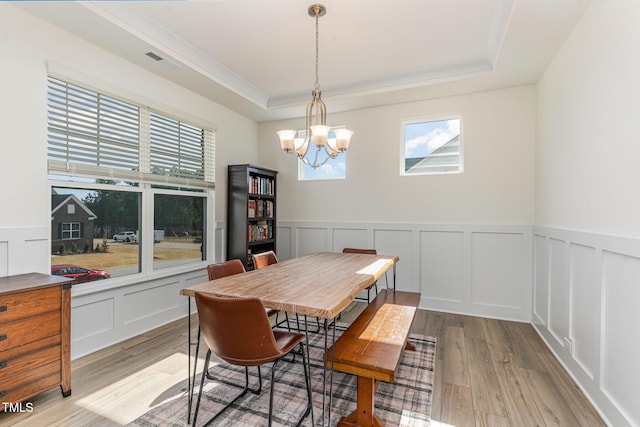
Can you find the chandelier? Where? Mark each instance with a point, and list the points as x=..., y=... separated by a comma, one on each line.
x=317, y=131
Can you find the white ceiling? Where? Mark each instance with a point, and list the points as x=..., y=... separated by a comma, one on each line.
x=257, y=57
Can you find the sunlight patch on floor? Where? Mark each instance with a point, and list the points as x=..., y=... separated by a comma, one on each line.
x=122, y=404
x=435, y=423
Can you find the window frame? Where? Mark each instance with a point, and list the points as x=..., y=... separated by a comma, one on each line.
x=431, y=119
x=70, y=231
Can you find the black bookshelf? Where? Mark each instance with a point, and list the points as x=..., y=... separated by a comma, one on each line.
x=251, y=212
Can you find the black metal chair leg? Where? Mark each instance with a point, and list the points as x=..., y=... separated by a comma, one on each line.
x=242, y=393
x=308, y=384
x=206, y=366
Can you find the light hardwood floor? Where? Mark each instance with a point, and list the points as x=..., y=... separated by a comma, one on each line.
x=488, y=373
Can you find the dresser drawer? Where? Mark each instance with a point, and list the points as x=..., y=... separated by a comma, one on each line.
x=17, y=388
x=21, y=359
x=20, y=332
x=22, y=305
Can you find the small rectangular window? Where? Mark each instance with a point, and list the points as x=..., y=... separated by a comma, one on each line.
x=333, y=168
x=432, y=146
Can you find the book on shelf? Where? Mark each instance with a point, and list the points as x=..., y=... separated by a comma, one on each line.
x=262, y=230
x=260, y=209
x=261, y=185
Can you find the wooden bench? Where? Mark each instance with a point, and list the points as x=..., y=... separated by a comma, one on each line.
x=372, y=347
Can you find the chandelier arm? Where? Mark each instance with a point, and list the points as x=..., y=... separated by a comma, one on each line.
x=317, y=165
x=330, y=152
x=305, y=161
x=315, y=159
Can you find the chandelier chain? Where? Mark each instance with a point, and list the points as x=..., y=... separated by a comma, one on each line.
x=316, y=86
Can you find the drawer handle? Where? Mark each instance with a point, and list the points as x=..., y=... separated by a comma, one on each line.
x=4, y=393
x=3, y=337
x=3, y=364
x=3, y=308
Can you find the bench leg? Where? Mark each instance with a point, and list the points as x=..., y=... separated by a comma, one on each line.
x=364, y=414
x=409, y=346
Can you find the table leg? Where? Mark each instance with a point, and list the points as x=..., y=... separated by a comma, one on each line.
x=308, y=364
x=324, y=371
x=191, y=380
x=394, y=277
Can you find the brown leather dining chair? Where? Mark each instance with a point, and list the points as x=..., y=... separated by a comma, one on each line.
x=264, y=259
x=237, y=331
x=229, y=268
x=366, y=252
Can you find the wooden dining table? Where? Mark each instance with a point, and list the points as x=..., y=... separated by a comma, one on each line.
x=321, y=285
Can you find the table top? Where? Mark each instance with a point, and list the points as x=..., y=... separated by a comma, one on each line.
x=321, y=284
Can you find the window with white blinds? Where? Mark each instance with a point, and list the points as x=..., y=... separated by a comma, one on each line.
x=93, y=134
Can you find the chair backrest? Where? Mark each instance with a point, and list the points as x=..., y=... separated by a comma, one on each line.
x=359, y=251
x=264, y=259
x=226, y=268
x=237, y=330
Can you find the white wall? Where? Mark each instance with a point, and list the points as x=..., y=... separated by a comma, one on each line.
x=588, y=146
x=28, y=47
x=586, y=242
x=497, y=186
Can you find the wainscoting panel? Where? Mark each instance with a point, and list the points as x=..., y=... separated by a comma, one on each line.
x=589, y=284
x=351, y=238
x=620, y=375
x=24, y=250
x=558, y=290
x=311, y=239
x=584, y=328
x=441, y=265
x=449, y=264
x=100, y=312
x=541, y=280
x=398, y=242
x=497, y=269
x=149, y=301
x=219, y=243
x=283, y=242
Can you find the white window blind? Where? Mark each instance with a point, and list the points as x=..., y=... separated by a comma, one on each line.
x=96, y=135
x=177, y=149
x=88, y=128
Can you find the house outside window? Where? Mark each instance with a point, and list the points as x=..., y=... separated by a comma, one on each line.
x=432, y=146
x=120, y=164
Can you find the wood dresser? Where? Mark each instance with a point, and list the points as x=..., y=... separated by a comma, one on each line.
x=35, y=340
